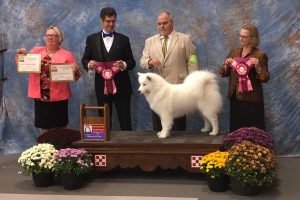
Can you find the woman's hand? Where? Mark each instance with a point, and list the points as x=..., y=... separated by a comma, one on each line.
x=75, y=67
x=228, y=61
x=254, y=61
x=21, y=51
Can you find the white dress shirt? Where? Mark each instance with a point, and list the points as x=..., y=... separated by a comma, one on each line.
x=162, y=39
x=108, y=41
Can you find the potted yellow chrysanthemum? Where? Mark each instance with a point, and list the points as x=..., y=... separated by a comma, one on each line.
x=39, y=161
x=213, y=165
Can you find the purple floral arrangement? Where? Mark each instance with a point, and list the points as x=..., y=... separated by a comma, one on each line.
x=60, y=138
x=251, y=134
x=72, y=161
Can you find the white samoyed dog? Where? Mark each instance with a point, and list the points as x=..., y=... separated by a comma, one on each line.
x=198, y=93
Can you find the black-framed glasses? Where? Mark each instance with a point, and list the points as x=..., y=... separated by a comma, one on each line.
x=109, y=21
x=51, y=35
x=244, y=36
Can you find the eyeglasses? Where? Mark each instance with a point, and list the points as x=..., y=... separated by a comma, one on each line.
x=51, y=35
x=244, y=36
x=109, y=21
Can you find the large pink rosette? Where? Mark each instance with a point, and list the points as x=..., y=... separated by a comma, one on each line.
x=107, y=71
x=241, y=67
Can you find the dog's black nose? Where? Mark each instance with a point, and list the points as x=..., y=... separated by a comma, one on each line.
x=139, y=91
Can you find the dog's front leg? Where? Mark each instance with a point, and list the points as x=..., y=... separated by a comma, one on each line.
x=166, y=123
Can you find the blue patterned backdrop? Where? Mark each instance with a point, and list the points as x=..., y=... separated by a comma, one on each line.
x=214, y=26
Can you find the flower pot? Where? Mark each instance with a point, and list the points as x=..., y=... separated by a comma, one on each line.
x=43, y=179
x=71, y=181
x=218, y=184
x=243, y=189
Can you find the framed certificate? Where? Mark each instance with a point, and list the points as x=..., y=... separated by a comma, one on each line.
x=29, y=63
x=61, y=73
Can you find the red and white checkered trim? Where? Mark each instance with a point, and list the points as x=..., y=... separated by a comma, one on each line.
x=196, y=161
x=100, y=161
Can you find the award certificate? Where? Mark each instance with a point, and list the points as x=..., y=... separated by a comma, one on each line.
x=61, y=73
x=29, y=63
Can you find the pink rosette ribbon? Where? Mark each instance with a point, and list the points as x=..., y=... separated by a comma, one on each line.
x=241, y=67
x=107, y=71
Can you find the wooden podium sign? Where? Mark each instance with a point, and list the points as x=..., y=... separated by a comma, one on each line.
x=95, y=128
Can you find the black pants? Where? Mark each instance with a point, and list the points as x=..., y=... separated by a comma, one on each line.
x=122, y=105
x=52, y=114
x=246, y=114
x=178, y=125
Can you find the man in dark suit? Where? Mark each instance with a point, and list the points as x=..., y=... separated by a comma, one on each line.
x=110, y=46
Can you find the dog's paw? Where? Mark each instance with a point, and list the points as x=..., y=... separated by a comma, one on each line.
x=159, y=133
x=213, y=133
x=163, y=135
x=204, y=130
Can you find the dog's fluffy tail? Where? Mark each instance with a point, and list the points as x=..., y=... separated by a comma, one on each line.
x=198, y=80
x=203, y=85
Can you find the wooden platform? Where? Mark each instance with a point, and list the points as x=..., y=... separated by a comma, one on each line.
x=145, y=150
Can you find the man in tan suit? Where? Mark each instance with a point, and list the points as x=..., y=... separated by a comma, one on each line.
x=173, y=56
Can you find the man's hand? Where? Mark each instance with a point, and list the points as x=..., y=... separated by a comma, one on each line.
x=154, y=62
x=92, y=65
x=119, y=64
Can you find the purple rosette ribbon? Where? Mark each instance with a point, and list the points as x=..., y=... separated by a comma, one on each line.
x=107, y=71
x=241, y=67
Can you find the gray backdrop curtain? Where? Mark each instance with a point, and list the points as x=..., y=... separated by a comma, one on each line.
x=214, y=26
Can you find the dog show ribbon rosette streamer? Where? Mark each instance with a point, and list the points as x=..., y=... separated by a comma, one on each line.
x=107, y=71
x=242, y=67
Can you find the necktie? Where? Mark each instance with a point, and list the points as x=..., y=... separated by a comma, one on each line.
x=107, y=35
x=165, y=46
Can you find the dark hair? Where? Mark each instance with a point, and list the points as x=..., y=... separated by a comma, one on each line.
x=107, y=12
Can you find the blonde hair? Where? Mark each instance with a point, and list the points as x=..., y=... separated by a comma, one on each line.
x=254, y=34
x=59, y=32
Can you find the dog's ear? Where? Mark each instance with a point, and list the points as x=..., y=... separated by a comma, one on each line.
x=149, y=78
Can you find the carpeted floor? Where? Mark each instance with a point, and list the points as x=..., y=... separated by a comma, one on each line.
x=133, y=184
x=79, y=197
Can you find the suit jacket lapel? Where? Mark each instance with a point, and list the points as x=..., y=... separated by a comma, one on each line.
x=159, y=45
x=115, y=43
x=172, y=44
x=98, y=42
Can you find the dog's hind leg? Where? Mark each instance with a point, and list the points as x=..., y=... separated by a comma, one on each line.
x=166, y=124
x=207, y=125
x=213, y=119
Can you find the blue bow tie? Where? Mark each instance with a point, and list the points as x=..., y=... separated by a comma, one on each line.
x=107, y=34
